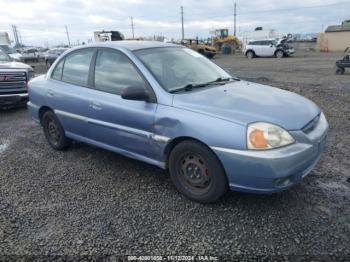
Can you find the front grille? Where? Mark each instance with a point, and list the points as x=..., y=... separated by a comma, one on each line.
x=311, y=125
x=13, y=82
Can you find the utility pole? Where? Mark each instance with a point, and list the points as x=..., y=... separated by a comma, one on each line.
x=132, y=28
x=67, y=36
x=235, y=19
x=182, y=22
x=15, y=35
x=20, y=38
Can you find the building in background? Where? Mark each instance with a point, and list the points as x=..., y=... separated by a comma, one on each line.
x=336, y=38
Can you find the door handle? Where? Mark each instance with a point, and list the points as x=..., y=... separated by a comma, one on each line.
x=96, y=106
x=50, y=93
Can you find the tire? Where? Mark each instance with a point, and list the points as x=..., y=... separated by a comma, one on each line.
x=279, y=54
x=210, y=56
x=196, y=172
x=340, y=71
x=250, y=55
x=54, y=131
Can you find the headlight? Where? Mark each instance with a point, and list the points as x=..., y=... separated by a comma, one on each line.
x=262, y=136
x=30, y=74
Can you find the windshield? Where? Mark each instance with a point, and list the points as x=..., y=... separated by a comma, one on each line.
x=179, y=67
x=4, y=57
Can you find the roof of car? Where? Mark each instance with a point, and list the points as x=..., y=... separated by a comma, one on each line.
x=133, y=45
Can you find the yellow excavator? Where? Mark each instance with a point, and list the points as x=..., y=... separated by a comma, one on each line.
x=223, y=40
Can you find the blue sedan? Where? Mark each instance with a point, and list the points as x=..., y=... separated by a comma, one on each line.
x=171, y=107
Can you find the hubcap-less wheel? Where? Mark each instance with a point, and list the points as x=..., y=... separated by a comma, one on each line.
x=279, y=54
x=194, y=174
x=53, y=131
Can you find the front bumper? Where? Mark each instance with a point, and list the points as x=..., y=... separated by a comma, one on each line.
x=290, y=51
x=277, y=169
x=13, y=99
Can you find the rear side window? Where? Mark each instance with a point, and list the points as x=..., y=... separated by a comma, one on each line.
x=76, y=68
x=114, y=72
x=57, y=73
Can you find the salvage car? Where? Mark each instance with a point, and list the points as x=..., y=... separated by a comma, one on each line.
x=268, y=48
x=169, y=106
x=14, y=77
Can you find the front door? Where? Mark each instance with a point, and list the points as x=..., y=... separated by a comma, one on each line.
x=114, y=121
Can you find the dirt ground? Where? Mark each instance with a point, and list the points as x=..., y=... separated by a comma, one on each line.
x=88, y=201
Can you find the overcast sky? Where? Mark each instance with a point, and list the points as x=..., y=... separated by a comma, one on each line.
x=42, y=21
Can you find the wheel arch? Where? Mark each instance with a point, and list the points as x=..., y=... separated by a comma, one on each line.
x=175, y=141
x=42, y=111
x=279, y=49
x=249, y=50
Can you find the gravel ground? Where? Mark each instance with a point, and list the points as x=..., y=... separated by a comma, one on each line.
x=91, y=202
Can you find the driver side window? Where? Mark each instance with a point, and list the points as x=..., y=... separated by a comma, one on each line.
x=114, y=72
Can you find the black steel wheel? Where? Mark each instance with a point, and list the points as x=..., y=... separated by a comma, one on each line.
x=54, y=131
x=196, y=172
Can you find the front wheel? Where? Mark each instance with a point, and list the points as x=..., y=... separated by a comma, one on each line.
x=54, y=131
x=279, y=54
x=196, y=172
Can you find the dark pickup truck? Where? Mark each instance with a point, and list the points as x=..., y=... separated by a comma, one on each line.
x=14, y=77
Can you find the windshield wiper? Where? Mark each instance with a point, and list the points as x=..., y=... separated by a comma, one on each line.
x=190, y=87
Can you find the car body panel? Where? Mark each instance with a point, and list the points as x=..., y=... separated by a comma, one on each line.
x=217, y=116
x=244, y=102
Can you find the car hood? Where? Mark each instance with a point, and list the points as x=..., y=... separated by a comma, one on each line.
x=14, y=65
x=244, y=102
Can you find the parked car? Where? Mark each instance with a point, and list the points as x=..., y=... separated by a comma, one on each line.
x=14, y=77
x=169, y=106
x=52, y=55
x=268, y=48
x=11, y=52
x=200, y=47
x=30, y=55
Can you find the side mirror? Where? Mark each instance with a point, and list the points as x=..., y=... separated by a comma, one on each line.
x=135, y=93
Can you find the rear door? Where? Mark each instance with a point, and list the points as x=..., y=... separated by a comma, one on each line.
x=68, y=91
x=122, y=124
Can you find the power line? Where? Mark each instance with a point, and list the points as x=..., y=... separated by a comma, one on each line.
x=280, y=10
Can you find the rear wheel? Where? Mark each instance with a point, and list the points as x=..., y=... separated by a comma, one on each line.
x=340, y=71
x=54, y=131
x=279, y=54
x=196, y=172
x=250, y=54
